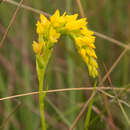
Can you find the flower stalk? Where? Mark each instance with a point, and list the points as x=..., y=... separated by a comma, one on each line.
x=41, y=102
x=41, y=67
x=49, y=31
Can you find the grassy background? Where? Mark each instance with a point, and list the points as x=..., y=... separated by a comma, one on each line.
x=66, y=68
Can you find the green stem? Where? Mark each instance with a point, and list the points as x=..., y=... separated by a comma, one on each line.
x=40, y=66
x=90, y=109
x=70, y=64
x=41, y=102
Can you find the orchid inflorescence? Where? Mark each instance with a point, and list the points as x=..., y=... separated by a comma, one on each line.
x=50, y=30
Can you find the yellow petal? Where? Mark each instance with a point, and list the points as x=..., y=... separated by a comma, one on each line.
x=76, y=25
x=93, y=62
x=86, y=32
x=56, y=19
x=70, y=18
x=91, y=52
x=54, y=35
x=37, y=47
x=43, y=18
x=42, y=25
x=40, y=28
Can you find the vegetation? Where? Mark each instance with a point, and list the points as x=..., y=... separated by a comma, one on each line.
x=72, y=99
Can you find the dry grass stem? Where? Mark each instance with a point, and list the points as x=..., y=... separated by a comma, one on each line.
x=113, y=66
x=27, y=8
x=114, y=98
x=82, y=111
x=80, y=8
x=110, y=123
x=11, y=23
x=9, y=116
x=63, y=90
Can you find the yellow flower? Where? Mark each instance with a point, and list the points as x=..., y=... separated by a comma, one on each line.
x=53, y=35
x=93, y=62
x=86, y=32
x=57, y=20
x=82, y=52
x=88, y=39
x=70, y=18
x=90, y=52
x=89, y=60
x=76, y=25
x=50, y=31
x=43, y=19
x=95, y=72
x=92, y=71
x=83, y=41
x=37, y=47
x=40, y=28
x=85, y=46
x=42, y=25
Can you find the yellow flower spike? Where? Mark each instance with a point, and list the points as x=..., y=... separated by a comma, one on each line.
x=37, y=47
x=50, y=31
x=54, y=36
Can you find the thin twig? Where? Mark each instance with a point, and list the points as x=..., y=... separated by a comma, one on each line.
x=82, y=111
x=124, y=113
x=112, y=40
x=62, y=90
x=28, y=8
x=110, y=123
x=113, y=98
x=113, y=66
x=6, y=120
x=11, y=23
x=10, y=68
x=80, y=8
x=107, y=105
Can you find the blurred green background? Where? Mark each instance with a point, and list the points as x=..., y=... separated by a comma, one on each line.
x=65, y=69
